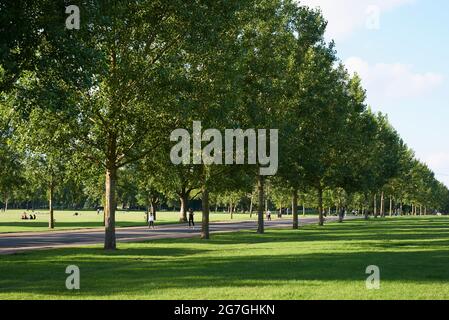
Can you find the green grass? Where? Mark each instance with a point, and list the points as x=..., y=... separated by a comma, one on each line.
x=313, y=263
x=11, y=220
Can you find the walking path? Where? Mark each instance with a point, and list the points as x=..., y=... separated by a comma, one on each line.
x=18, y=242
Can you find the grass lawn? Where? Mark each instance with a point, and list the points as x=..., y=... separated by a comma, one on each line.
x=11, y=222
x=313, y=263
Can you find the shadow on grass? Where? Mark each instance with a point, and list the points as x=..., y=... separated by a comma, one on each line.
x=236, y=261
x=143, y=271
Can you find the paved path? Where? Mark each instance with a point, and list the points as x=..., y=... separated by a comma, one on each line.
x=17, y=242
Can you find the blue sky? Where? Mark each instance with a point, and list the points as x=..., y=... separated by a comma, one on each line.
x=401, y=50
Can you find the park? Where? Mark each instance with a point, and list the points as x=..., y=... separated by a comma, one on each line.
x=105, y=195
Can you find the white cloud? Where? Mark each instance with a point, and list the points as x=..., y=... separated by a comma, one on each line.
x=385, y=82
x=439, y=160
x=439, y=163
x=345, y=16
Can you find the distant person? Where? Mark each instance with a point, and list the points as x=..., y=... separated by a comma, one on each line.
x=269, y=215
x=151, y=221
x=191, y=218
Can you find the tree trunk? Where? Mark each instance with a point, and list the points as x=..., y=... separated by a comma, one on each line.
x=205, y=223
x=154, y=208
x=231, y=210
x=295, y=209
x=51, y=219
x=251, y=207
x=184, y=204
x=147, y=213
x=375, y=206
x=391, y=206
x=365, y=210
x=6, y=197
x=109, y=209
x=260, y=211
x=382, y=205
x=303, y=209
x=320, y=206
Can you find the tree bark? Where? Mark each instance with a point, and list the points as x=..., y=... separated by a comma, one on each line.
x=109, y=209
x=303, y=209
x=391, y=206
x=366, y=210
x=147, y=214
x=260, y=211
x=232, y=210
x=184, y=204
x=51, y=219
x=375, y=206
x=382, y=205
x=205, y=223
x=6, y=197
x=5, y=201
x=295, y=209
x=320, y=206
x=251, y=207
x=153, y=205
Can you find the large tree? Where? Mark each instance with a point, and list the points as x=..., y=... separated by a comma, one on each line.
x=124, y=69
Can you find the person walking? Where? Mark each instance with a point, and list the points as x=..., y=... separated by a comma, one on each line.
x=151, y=221
x=191, y=219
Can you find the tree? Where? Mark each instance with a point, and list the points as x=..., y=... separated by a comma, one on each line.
x=128, y=56
x=308, y=26
x=264, y=43
x=11, y=169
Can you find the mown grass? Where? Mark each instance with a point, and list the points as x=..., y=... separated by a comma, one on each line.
x=313, y=263
x=65, y=220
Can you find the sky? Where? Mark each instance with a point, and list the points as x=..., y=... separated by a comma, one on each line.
x=400, y=48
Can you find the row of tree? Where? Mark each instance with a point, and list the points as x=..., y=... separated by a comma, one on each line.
x=87, y=114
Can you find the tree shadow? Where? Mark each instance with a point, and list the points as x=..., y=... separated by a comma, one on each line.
x=146, y=270
x=175, y=264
